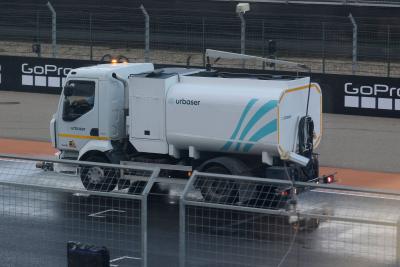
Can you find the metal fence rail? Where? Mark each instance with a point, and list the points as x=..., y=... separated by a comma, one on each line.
x=224, y=220
x=316, y=230
x=377, y=3
x=328, y=44
x=40, y=211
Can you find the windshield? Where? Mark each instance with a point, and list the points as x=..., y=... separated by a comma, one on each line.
x=81, y=101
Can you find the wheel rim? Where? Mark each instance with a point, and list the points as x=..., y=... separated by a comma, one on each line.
x=95, y=175
x=222, y=188
x=218, y=190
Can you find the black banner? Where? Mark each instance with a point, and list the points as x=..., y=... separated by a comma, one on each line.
x=353, y=95
x=36, y=75
x=360, y=95
x=342, y=94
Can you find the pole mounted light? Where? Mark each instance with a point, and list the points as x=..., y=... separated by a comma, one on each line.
x=242, y=8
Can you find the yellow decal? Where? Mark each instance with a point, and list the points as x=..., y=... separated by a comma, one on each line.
x=316, y=87
x=76, y=136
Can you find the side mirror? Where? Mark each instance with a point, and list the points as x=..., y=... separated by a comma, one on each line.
x=68, y=90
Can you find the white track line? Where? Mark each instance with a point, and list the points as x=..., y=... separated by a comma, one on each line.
x=98, y=214
x=364, y=195
x=122, y=258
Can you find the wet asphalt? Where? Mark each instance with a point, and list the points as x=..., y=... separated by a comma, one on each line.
x=37, y=222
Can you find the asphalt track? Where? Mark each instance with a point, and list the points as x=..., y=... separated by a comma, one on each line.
x=356, y=142
x=36, y=224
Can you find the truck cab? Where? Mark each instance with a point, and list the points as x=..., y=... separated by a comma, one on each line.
x=92, y=109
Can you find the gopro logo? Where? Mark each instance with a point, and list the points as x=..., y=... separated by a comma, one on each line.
x=377, y=96
x=43, y=76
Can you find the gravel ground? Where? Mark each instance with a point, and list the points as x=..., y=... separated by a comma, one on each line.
x=334, y=66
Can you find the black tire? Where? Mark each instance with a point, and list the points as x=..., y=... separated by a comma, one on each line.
x=311, y=171
x=218, y=190
x=315, y=166
x=98, y=178
x=309, y=225
x=136, y=188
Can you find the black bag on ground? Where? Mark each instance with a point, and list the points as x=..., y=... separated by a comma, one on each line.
x=83, y=255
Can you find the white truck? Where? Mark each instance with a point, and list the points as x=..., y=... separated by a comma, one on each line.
x=207, y=120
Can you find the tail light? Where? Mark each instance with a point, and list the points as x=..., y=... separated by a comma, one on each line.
x=329, y=179
x=285, y=193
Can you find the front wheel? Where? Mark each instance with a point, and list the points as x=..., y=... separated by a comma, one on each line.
x=97, y=178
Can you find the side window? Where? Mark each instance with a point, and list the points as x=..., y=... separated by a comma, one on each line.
x=79, y=100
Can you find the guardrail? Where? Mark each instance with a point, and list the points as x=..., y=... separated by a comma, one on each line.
x=225, y=220
x=316, y=229
x=41, y=211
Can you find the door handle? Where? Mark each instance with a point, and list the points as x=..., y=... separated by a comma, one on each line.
x=94, y=132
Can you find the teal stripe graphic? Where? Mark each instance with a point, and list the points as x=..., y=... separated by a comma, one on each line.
x=239, y=124
x=264, y=109
x=267, y=129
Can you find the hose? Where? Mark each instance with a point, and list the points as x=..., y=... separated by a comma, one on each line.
x=306, y=135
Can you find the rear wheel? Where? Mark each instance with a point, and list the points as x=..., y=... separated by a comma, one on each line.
x=306, y=225
x=222, y=190
x=97, y=178
x=214, y=190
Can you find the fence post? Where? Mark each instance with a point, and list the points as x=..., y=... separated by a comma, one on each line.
x=53, y=29
x=204, y=41
x=182, y=233
x=147, y=34
x=186, y=35
x=182, y=220
x=263, y=42
x=91, y=36
x=323, y=47
x=398, y=243
x=355, y=32
x=37, y=41
x=144, y=214
x=388, y=51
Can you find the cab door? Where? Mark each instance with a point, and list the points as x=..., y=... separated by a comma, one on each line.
x=78, y=114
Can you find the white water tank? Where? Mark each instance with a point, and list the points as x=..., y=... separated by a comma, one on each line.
x=213, y=114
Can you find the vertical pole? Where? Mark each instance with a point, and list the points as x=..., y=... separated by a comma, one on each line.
x=91, y=36
x=186, y=35
x=182, y=232
x=147, y=34
x=204, y=41
x=144, y=215
x=355, y=31
x=182, y=220
x=388, y=51
x=39, y=54
x=53, y=29
x=242, y=35
x=263, y=42
x=398, y=243
x=323, y=47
